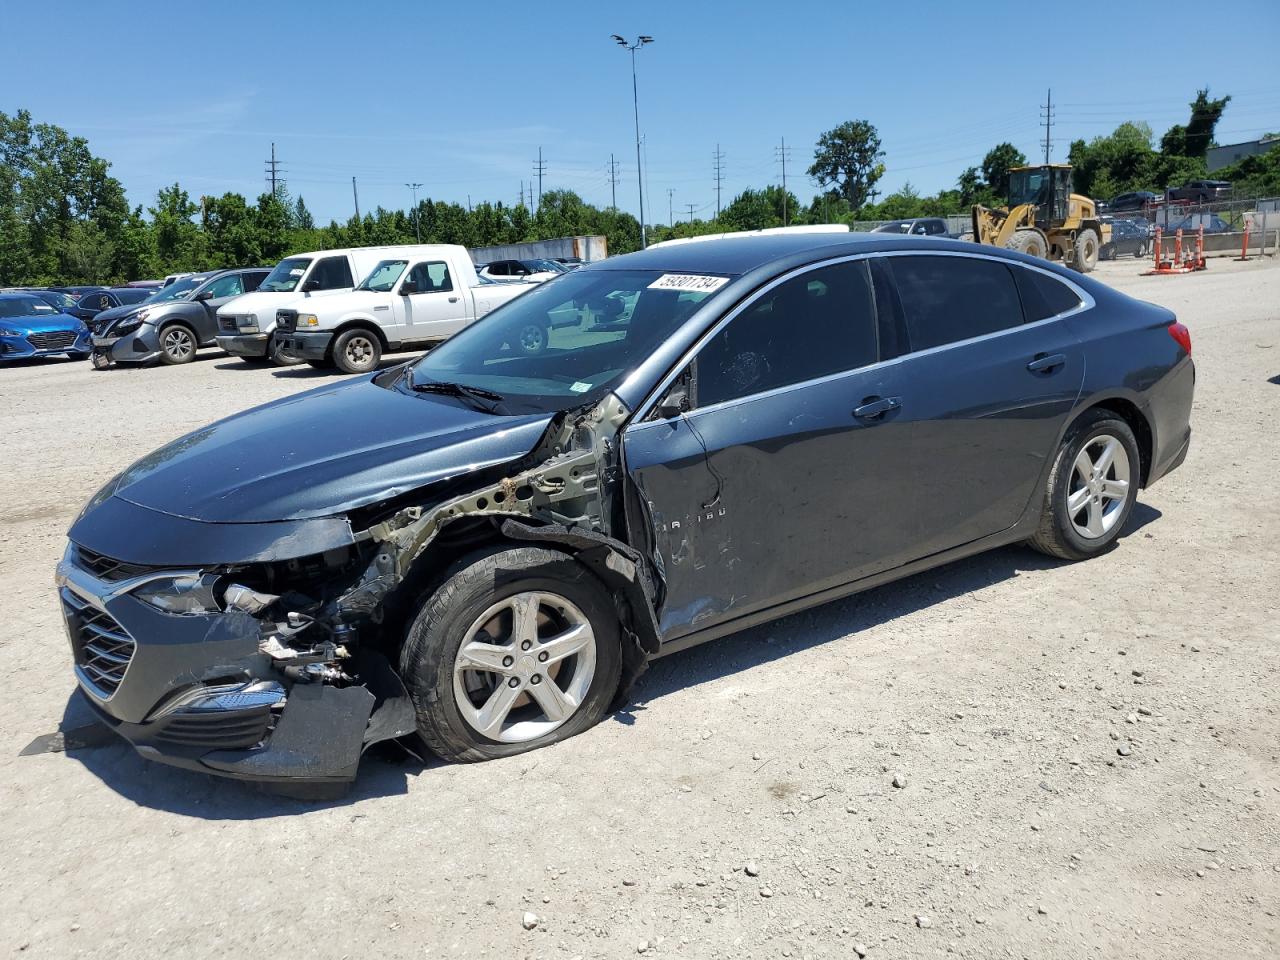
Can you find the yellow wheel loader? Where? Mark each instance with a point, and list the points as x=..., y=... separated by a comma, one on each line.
x=1044, y=218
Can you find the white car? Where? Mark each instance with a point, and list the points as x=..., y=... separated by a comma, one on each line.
x=530, y=271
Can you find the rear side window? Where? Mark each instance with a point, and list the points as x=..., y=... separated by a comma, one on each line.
x=332, y=273
x=820, y=323
x=253, y=280
x=947, y=299
x=1043, y=296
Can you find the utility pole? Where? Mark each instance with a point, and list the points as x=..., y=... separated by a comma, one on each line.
x=635, y=103
x=671, y=192
x=781, y=154
x=691, y=206
x=1046, y=120
x=613, y=180
x=539, y=168
x=273, y=173
x=468, y=203
x=718, y=156
x=417, y=232
x=355, y=195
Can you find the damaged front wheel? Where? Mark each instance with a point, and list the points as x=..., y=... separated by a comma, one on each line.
x=517, y=650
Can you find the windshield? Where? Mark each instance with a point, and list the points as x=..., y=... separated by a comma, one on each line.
x=24, y=307
x=177, y=290
x=286, y=276
x=565, y=343
x=384, y=276
x=544, y=266
x=1028, y=186
x=60, y=300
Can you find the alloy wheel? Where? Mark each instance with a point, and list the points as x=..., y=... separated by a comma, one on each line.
x=524, y=667
x=1099, y=487
x=177, y=344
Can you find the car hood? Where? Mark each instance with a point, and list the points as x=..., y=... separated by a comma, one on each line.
x=323, y=453
x=341, y=301
x=264, y=304
x=45, y=323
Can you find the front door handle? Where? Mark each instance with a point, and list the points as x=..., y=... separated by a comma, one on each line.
x=1047, y=363
x=453, y=299
x=873, y=408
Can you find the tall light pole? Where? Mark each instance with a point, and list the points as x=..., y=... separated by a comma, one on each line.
x=640, y=41
x=416, y=232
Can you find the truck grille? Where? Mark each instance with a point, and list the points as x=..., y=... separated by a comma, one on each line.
x=56, y=340
x=105, y=568
x=101, y=647
x=287, y=320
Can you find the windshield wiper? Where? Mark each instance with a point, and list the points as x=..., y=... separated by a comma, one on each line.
x=486, y=400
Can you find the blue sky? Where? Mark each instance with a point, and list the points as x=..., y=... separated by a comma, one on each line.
x=460, y=96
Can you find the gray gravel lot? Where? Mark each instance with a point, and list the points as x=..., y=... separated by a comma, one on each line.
x=1088, y=752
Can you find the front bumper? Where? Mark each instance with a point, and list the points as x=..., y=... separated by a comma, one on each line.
x=305, y=346
x=140, y=346
x=195, y=691
x=245, y=344
x=44, y=345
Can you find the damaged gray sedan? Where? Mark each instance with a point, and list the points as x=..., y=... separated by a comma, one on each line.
x=486, y=546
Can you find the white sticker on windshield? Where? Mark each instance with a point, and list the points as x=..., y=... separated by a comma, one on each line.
x=690, y=282
x=580, y=387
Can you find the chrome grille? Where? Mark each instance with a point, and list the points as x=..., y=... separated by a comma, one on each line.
x=101, y=647
x=106, y=568
x=56, y=340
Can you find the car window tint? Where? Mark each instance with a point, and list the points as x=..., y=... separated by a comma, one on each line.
x=229, y=286
x=1043, y=296
x=253, y=280
x=946, y=299
x=432, y=277
x=332, y=273
x=819, y=323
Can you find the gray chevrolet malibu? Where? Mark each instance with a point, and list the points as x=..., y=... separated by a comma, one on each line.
x=485, y=547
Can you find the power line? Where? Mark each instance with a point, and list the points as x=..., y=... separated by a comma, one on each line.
x=718, y=157
x=1046, y=119
x=273, y=173
x=671, y=192
x=783, y=153
x=539, y=168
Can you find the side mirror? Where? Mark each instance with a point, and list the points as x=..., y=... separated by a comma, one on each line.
x=203, y=295
x=408, y=287
x=676, y=402
x=312, y=284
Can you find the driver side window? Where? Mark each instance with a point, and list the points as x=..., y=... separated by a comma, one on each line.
x=228, y=286
x=819, y=323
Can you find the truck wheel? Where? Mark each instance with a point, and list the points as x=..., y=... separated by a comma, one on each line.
x=278, y=358
x=1086, y=251
x=1029, y=242
x=356, y=351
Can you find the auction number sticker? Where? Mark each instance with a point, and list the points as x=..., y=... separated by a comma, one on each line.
x=689, y=282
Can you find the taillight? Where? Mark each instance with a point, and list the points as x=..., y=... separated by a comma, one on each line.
x=1180, y=333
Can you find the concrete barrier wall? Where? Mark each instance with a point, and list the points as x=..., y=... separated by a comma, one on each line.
x=589, y=249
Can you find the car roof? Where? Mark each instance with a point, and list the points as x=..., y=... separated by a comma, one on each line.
x=739, y=255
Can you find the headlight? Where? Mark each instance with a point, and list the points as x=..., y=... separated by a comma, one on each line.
x=6, y=332
x=126, y=326
x=308, y=320
x=186, y=595
x=247, y=324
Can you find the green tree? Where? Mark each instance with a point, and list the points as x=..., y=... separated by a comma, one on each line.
x=302, y=219
x=996, y=165
x=847, y=158
x=760, y=209
x=180, y=244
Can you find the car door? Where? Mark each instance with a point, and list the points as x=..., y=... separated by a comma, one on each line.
x=993, y=376
x=429, y=306
x=790, y=471
x=219, y=292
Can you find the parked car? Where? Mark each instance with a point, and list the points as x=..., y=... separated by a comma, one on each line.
x=77, y=292
x=488, y=546
x=175, y=322
x=1192, y=222
x=146, y=284
x=405, y=302
x=531, y=271
x=1136, y=200
x=31, y=327
x=93, y=302
x=61, y=302
x=917, y=226
x=1201, y=191
x=246, y=326
x=1127, y=238
x=570, y=263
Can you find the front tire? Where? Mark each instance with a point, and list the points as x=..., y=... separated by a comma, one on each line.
x=277, y=356
x=1091, y=489
x=178, y=344
x=517, y=650
x=357, y=351
x=1086, y=251
x=1028, y=241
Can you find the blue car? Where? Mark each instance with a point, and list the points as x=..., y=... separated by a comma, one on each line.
x=30, y=327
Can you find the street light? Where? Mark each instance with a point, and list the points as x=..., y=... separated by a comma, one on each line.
x=640, y=41
x=416, y=232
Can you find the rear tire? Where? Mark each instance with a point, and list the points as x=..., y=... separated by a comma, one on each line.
x=1091, y=490
x=357, y=350
x=1086, y=251
x=178, y=344
x=480, y=608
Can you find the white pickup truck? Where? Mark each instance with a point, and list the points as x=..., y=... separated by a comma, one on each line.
x=405, y=302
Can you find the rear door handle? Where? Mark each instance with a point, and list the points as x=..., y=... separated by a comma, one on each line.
x=873, y=408
x=1047, y=363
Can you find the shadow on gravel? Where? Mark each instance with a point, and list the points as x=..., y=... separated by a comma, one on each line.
x=800, y=631
x=387, y=767
x=305, y=371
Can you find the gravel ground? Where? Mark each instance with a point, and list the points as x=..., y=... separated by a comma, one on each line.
x=1005, y=757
